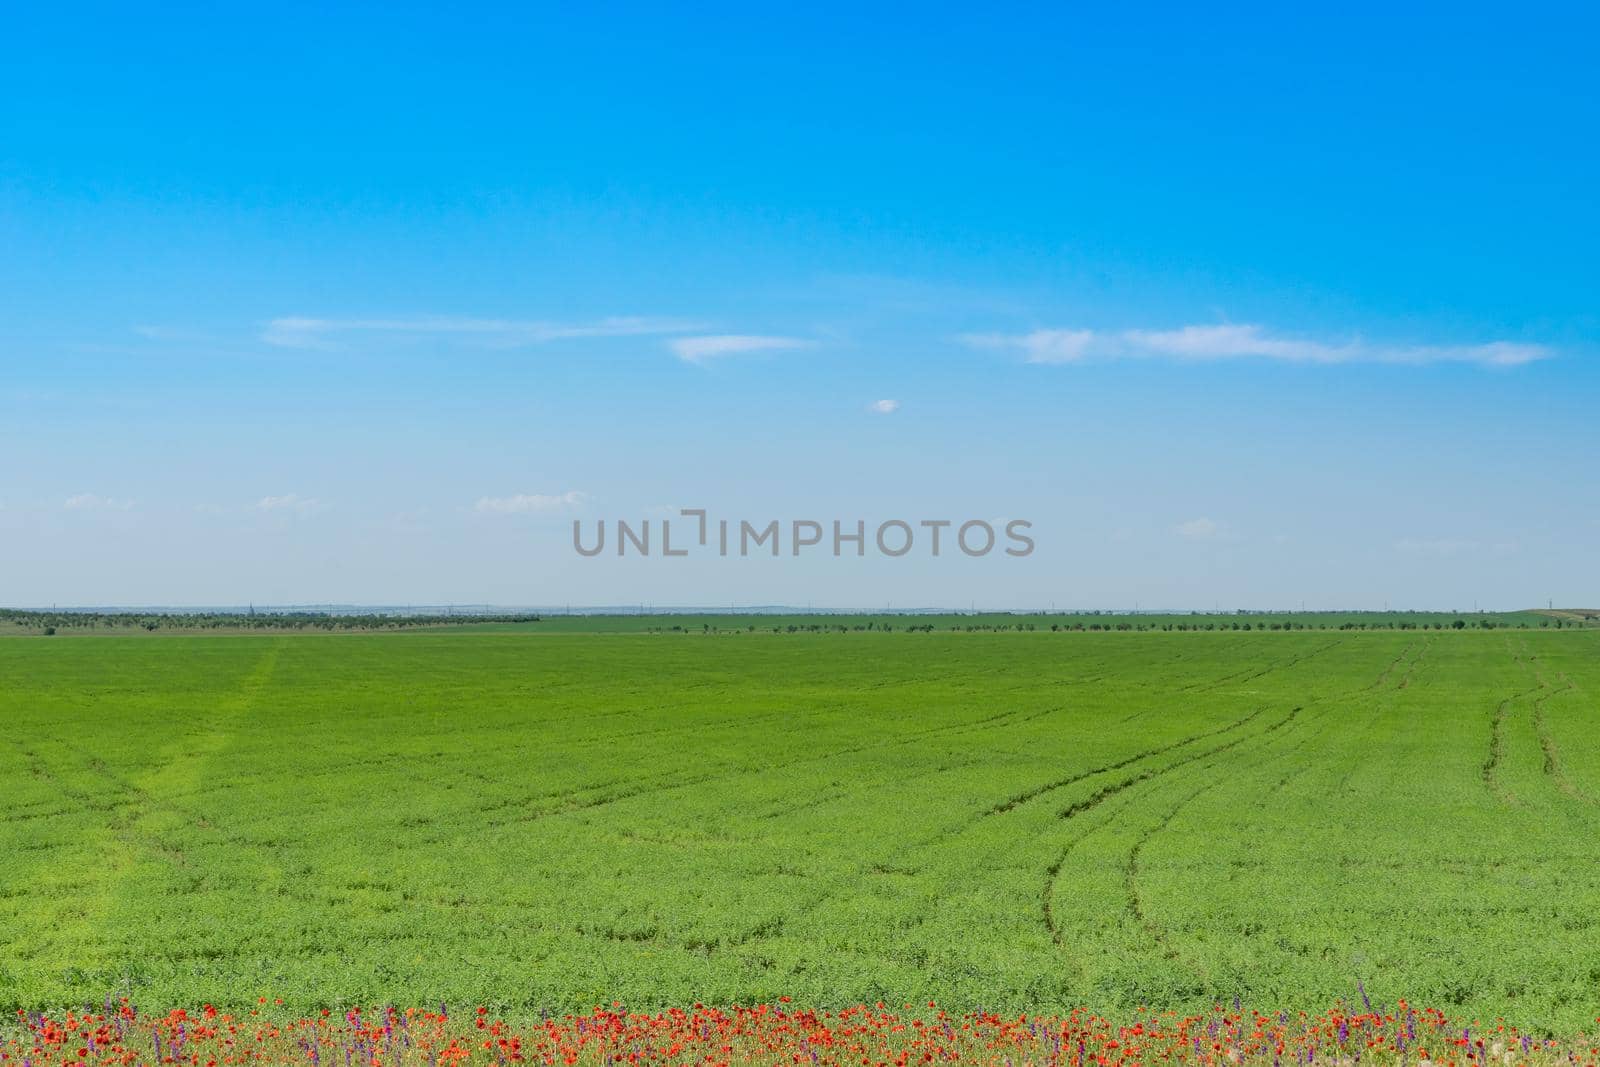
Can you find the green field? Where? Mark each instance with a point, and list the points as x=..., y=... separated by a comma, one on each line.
x=1027, y=821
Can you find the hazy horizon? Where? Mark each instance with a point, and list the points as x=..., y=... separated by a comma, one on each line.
x=472, y=609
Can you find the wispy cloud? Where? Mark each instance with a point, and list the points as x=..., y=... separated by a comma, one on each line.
x=297, y=332
x=711, y=346
x=1040, y=346
x=530, y=503
x=292, y=503
x=884, y=407
x=1201, y=529
x=1204, y=343
x=90, y=502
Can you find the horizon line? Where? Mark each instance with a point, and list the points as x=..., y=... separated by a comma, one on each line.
x=468, y=609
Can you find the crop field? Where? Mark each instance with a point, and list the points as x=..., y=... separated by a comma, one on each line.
x=1015, y=822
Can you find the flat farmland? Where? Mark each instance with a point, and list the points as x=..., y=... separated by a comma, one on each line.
x=1011, y=821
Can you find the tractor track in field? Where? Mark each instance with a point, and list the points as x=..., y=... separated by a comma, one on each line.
x=789, y=808
x=1018, y=799
x=1497, y=748
x=136, y=802
x=670, y=781
x=571, y=799
x=1104, y=794
x=1295, y=770
x=1200, y=687
x=1547, y=742
x=715, y=725
x=1135, y=900
x=988, y=723
x=1255, y=671
x=626, y=787
x=1206, y=686
x=887, y=865
x=1052, y=873
x=1030, y=794
x=1009, y=718
x=80, y=800
x=1072, y=811
x=1388, y=671
x=1497, y=729
x=1552, y=753
x=259, y=676
x=1130, y=883
x=1416, y=661
x=1421, y=650
x=1100, y=796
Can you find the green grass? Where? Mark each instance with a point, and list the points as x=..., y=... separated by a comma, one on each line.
x=1027, y=821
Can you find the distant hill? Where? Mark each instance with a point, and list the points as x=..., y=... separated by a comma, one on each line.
x=1571, y=614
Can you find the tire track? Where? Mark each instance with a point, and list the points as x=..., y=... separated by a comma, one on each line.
x=1027, y=795
x=1552, y=754
x=1497, y=724
x=124, y=840
x=1053, y=872
x=563, y=800
x=1497, y=748
x=570, y=799
x=674, y=781
x=1061, y=783
x=1135, y=900
x=1108, y=792
x=1382, y=710
x=1541, y=726
x=789, y=915
x=1099, y=797
x=1252, y=672
x=1390, y=669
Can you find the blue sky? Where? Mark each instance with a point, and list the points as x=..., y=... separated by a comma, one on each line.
x=1251, y=308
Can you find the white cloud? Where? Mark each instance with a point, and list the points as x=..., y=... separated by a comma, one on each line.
x=884, y=407
x=297, y=332
x=1203, y=343
x=1040, y=346
x=90, y=502
x=711, y=346
x=1201, y=529
x=529, y=503
x=289, y=502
